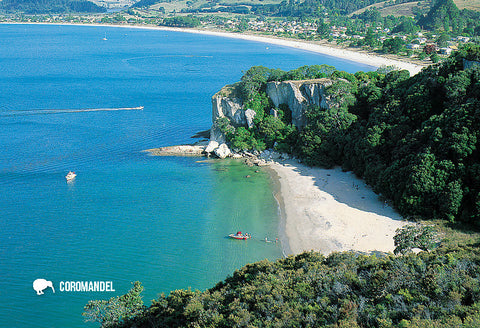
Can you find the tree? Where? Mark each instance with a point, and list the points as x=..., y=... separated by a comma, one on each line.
x=253, y=81
x=323, y=28
x=116, y=310
x=408, y=26
x=371, y=15
x=414, y=236
x=371, y=39
x=429, y=49
x=181, y=21
x=444, y=15
x=243, y=25
x=394, y=45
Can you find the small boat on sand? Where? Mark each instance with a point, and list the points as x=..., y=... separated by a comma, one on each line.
x=239, y=235
x=70, y=176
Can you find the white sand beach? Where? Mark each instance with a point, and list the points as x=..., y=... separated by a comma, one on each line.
x=330, y=210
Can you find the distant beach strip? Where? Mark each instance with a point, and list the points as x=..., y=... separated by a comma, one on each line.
x=350, y=55
x=346, y=54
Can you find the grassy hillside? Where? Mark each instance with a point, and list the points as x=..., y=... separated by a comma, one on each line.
x=468, y=4
x=403, y=9
x=178, y=5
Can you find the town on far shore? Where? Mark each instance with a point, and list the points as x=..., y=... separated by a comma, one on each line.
x=421, y=32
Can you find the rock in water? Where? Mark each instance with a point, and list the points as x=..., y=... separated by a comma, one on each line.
x=222, y=151
x=212, y=145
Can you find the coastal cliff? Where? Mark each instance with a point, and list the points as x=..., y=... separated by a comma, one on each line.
x=228, y=103
x=297, y=95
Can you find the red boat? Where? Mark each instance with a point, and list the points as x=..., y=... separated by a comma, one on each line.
x=239, y=235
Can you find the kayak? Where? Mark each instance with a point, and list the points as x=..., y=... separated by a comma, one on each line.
x=239, y=236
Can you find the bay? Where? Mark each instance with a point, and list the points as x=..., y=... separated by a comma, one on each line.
x=127, y=216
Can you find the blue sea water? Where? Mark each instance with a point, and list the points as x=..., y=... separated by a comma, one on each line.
x=127, y=216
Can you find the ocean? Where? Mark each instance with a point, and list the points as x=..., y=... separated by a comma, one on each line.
x=127, y=216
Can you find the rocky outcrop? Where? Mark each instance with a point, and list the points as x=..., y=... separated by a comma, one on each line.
x=299, y=95
x=212, y=145
x=222, y=151
x=228, y=103
x=182, y=150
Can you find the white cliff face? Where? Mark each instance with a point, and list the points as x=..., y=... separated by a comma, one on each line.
x=299, y=95
x=249, y=116
x=231, y=108
x=225, y=103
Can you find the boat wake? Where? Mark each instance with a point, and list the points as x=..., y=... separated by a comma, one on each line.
x=62, y=111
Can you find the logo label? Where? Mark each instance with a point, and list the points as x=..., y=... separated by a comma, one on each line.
x=39, y=285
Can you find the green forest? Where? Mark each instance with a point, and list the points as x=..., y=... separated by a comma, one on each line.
x=415, y=140
x=51, y=6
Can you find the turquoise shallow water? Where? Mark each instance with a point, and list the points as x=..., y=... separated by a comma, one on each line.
x=127, y=216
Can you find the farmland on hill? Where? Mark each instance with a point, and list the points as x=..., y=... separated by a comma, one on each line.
x=403, y=9
x=468, y=4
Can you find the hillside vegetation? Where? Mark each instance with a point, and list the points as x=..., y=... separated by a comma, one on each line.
x=51, y=6
x=438, y=289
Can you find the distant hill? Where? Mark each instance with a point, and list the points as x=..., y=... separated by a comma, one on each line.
x=468, y=4
x=403, y=9
x=50, y=6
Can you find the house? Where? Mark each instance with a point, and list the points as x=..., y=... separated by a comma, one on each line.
x=445, y=51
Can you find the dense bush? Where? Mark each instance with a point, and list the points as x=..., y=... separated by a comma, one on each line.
x=416, y=139
x=181, y=21
x=438, y=289
x=52, y=6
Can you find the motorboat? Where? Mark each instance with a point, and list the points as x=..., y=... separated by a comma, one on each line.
x=70, y=176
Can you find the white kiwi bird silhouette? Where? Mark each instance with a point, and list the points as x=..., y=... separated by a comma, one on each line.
x=40, y=284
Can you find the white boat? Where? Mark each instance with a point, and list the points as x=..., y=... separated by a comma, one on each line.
x=70, y=176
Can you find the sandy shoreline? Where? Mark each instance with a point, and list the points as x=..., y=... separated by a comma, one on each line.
x=330, y=210
x=350, y=55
